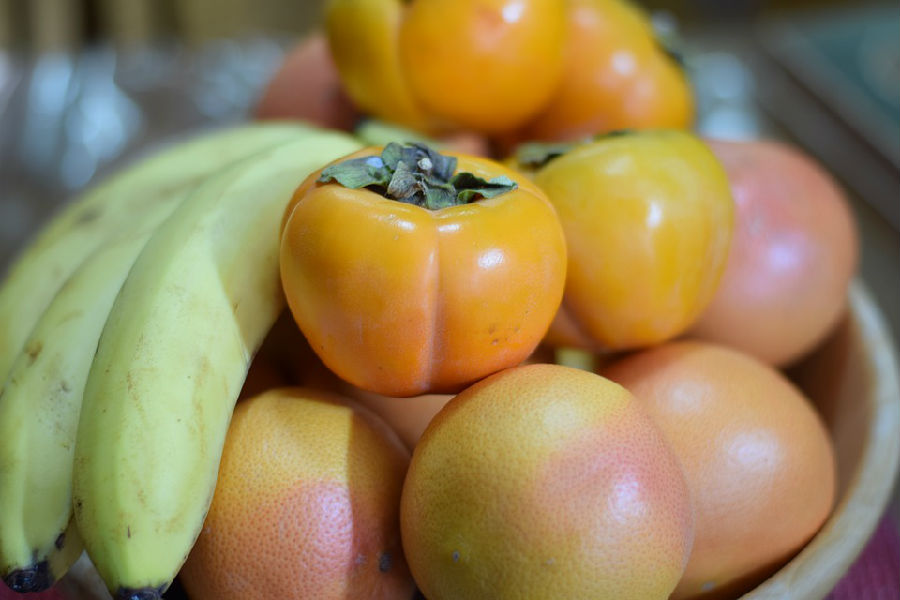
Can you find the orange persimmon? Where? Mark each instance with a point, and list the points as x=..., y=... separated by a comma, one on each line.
x=412, y=272
x=648, y=217
x=617, y=75
x=485, y=65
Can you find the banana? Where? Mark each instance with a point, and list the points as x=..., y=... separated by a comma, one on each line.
x=83, y=226
x=39, y=412
x=40, y=401
x=173, y=354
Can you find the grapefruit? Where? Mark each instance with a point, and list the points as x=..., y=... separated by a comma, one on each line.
x=757, y=458
x=549, y=482
x=795, y=250
x=305, y=505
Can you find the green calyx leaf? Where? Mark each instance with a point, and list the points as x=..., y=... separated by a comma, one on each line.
x=357, y=173
x=537, y=154
x=471, y=188
x=415, y=174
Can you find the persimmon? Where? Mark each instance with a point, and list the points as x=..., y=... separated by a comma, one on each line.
x=485, y=65
x=648, y=217
x=413, y=272
x=488, y=65
x=617, y=75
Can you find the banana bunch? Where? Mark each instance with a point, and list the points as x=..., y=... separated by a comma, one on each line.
x=126, y=330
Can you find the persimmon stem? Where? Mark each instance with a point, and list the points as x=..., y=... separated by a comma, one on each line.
x=415, y=174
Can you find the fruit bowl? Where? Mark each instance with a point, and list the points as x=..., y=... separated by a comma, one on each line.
x=853, y=380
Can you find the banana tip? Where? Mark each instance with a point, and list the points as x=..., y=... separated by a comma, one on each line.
x=30, y=580
x=147, y=593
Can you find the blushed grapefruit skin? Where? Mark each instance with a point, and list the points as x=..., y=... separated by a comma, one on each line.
x=305, y=506
x=757, y=458
x=307, y=87
x=794, y=252
x=545, y=482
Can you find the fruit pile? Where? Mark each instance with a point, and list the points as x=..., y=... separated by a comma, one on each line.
x=281, y=361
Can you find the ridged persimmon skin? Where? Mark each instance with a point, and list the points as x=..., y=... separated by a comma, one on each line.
x=545, y=482
x=402, y=300
x=305, y=505
x=757, y=458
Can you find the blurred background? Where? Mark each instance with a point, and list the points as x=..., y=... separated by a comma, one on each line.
x=88, y=85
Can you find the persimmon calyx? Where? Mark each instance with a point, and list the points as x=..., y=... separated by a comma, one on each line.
x=538, y=154
x=415, y=174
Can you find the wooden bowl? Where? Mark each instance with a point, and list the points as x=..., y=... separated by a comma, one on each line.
x=852, y=379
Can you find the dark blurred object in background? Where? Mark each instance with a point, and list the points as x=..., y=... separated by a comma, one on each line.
x=42, y=25
x=52, y=25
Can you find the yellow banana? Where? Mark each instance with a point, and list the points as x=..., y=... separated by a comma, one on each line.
x=85, y=225
x=40, y=400
x=173, y=354
x=39, y=410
